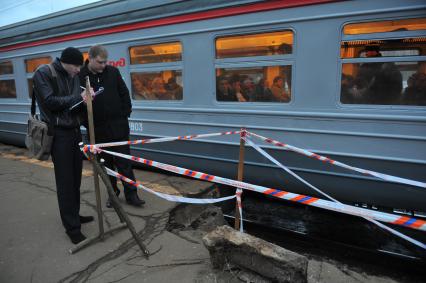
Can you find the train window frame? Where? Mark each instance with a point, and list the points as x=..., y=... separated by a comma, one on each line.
x=9, y=77
x=36, y=57
x=156, y=67
x=11, y=63
x=252, y=33
x=379, y=36
x=153, y=44
x=383, y=20
x=255, y=61
x=29, y=76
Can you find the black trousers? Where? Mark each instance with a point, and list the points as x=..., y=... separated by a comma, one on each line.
x=68, y=164
x=123, y=166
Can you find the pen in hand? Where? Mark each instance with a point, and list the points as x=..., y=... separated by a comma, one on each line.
x=100, y=90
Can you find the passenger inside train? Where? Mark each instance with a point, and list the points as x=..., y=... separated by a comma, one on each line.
x=174, y=89
x=152, y=86
x=7, y=89
x=262, y=82
x=250, y=85
x=415, y=93
x=379, y=74
x=379, y=82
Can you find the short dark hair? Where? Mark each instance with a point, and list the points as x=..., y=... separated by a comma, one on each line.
x=98, y=50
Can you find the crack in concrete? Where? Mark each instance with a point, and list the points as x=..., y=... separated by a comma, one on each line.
x=193, y=262
x=17, y=175
x=178, y=234
x=124, y=277
x=42, y=188
x=143, y=217
x=95, y=211
x=31, y=179
x=157, y=266
x=147, y=234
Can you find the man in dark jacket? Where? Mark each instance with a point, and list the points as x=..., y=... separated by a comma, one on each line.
x=111, y=110
x=54, y=97
x=378, y=82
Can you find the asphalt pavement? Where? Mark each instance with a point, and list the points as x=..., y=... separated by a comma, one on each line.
x=35, y=248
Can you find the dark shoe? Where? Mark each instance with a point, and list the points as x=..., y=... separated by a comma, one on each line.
x=76, y=237
x=86, y=219
x=134, y=200
x=108, y=202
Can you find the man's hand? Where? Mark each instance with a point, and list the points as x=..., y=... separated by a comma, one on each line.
x=84, y=96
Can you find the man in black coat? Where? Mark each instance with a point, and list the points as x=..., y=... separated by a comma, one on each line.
x=378, y=82
x=55, y=97
x=111, y=110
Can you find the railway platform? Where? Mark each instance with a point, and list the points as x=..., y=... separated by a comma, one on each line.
x=34, y=247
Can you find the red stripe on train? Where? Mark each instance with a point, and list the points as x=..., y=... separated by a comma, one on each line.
x=225, y=12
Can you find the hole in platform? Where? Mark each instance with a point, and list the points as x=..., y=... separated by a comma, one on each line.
x=320, y=234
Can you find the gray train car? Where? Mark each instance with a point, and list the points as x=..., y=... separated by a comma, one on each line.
x=344, y=79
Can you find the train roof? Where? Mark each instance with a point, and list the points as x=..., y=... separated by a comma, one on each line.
x=105, y=14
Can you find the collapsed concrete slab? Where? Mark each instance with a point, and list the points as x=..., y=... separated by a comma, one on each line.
x=227, y=245
x=193, y=222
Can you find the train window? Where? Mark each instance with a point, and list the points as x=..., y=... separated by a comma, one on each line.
x=6, y=68
x=385, y=26
x=7, y=89
x=387, y=83
x=386, y=71
x=32, y=64
x=85, y=56
x=383, y=48
x=254, y=84
x=162, y=85
x=156, y=53
x=261, y=44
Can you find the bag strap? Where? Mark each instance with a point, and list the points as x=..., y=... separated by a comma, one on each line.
x=52, y=70
x=33, y=107
x=55, y=86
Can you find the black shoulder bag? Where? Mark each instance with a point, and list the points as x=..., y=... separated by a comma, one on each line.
x=39, y=136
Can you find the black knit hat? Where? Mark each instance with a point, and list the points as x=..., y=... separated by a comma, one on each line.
x=72, y=56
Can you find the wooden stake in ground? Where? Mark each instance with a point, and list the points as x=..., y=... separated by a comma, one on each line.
x=93, y=141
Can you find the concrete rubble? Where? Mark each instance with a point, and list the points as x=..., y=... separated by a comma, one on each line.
x=271, y=261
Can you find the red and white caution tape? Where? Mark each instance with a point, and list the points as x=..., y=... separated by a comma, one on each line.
x=405, y=221
x=166, y=196
x=273, y=160
x=167, y=139
x=382, y=176
x=288, y=170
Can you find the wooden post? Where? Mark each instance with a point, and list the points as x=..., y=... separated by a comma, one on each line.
x=117, y=207
x=240, y=177
x=95, y=173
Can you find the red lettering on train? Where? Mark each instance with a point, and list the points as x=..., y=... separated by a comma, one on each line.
x=119, y=63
